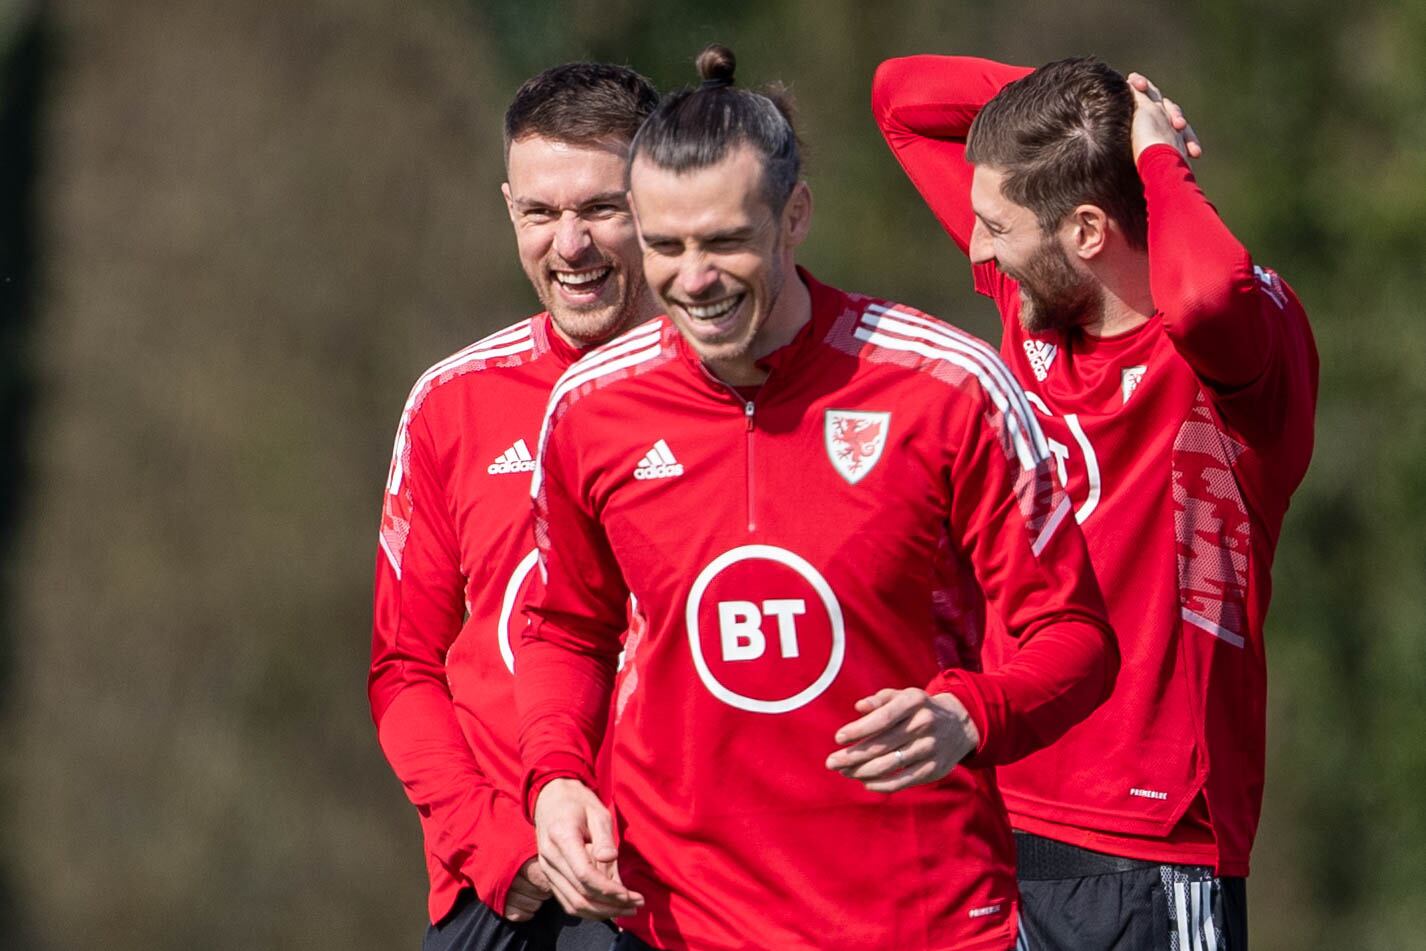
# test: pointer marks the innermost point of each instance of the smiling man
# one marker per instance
(835, 473)
(456, 547)
(1176, 381)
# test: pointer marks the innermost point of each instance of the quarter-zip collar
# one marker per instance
(547, 339)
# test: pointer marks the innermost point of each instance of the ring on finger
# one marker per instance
(900, 757)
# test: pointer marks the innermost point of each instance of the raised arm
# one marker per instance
(1233, 322)
(924, 106)
(475, 829)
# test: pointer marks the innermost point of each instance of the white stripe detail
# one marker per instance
(927, 329)
(1180, 900)
(1052, 523)
(610, 358)
(665, 454)
(1210, 931)
(1196, 916)
(1023, 452)
(522, 451)
(391, 558)
(1222, 633)
(648, 460)
(499, 344)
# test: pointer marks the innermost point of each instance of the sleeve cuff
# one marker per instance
(958, 683)
(551, 767)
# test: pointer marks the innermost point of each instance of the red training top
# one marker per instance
(793, 553)
(1180, 442)
(456, 559)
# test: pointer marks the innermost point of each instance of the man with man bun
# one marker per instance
(456, 549)
(795, 483)
(1175, 381)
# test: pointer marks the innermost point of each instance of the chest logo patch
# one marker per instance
(1129, 379)
(765, 629)
(855, 441)
(1041, 355)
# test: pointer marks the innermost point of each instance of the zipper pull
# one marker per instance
(748, 410)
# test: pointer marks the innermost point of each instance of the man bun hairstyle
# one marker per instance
(698, 126)
(580, 103)
(1061, 137)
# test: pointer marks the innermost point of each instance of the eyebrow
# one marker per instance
(615, 197)
(732, 234)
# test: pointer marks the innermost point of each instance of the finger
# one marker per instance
(521, 907)
(885, 743)
(886, 714)
(1137, 81)
(523, 888)
(906, 755)
(571, 860)
(602, 847)
(574, 901)
(923, 772)
(1191, 143)
(535, 875)
(868, 704)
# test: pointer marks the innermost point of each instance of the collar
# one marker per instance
(548, 339)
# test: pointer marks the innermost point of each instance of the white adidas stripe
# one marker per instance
(1029, 459)
(522, 451)
(665, 454)
(1217, 630)
(923, 328)
(502, 343)
(630, 350)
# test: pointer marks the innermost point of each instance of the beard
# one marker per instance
(623, 302)
(1053, 295)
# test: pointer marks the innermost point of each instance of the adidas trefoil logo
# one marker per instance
(658, 463)
(515, 459)
(1041, 355)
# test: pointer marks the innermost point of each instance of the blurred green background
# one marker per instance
(234, 232)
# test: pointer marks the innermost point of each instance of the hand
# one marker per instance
(529, 890)
(1159, 121)
(906, 738)
(577, 852)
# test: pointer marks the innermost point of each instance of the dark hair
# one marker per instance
(698, 126)
(1061, 136)
(580, 103)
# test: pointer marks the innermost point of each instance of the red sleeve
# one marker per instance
(1014, 520)
(475, 829)
(924, 106)
(1230, 320)
(570, 650)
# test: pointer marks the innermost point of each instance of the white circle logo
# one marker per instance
(771, 648)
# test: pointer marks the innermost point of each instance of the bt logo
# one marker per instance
(765, 629)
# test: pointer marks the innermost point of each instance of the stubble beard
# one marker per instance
(588, 326)
(1054, 296)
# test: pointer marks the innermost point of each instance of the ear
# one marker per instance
(1086, 231)
(509, 202)
(797, 215)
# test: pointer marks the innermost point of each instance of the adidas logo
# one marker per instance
(515, 459)
(1041, 355)
(658, 463)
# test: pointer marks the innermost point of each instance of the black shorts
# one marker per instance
(473, 926)
(1072, 899)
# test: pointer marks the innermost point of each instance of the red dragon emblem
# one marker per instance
(855, 441)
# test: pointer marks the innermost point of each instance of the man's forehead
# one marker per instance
(542, 166)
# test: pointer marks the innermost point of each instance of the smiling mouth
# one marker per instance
(713, 311)
(586, 281)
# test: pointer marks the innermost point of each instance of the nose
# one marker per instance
(696, 275)
(571, 237)
(980, 250)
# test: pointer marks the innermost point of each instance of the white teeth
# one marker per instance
(580, 278)
(712, 311)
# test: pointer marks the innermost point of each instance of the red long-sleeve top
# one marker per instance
(456, 559)
(1180, 442)
(793, 552)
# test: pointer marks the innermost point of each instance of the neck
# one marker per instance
(1127, 302)
(790, 313)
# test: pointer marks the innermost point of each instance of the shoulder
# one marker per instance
(614, 364)
(887, 333)
(945, 363)
(512, 346)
